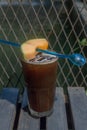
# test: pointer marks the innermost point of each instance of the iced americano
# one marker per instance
(40, 77)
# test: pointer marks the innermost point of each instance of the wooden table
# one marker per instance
(70, 115)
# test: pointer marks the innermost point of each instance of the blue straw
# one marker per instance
(9, 43)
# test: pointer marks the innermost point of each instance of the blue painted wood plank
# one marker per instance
(8, 100)
(10, 94)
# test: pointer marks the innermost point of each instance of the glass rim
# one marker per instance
(40, 63)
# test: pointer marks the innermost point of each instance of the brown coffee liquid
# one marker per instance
(40, 78)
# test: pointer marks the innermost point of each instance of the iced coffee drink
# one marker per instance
(40, 77)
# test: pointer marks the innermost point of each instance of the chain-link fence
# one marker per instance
(62, 22)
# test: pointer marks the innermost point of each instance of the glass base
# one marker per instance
(40, 114)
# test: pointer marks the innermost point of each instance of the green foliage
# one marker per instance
(83, 42)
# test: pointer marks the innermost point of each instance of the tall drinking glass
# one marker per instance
(40, 78)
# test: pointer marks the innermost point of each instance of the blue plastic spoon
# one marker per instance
(76, 59)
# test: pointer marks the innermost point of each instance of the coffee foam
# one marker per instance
(43, 58)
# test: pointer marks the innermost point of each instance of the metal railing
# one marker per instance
(63, 23)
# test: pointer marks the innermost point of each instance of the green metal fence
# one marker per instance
(62, 22)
